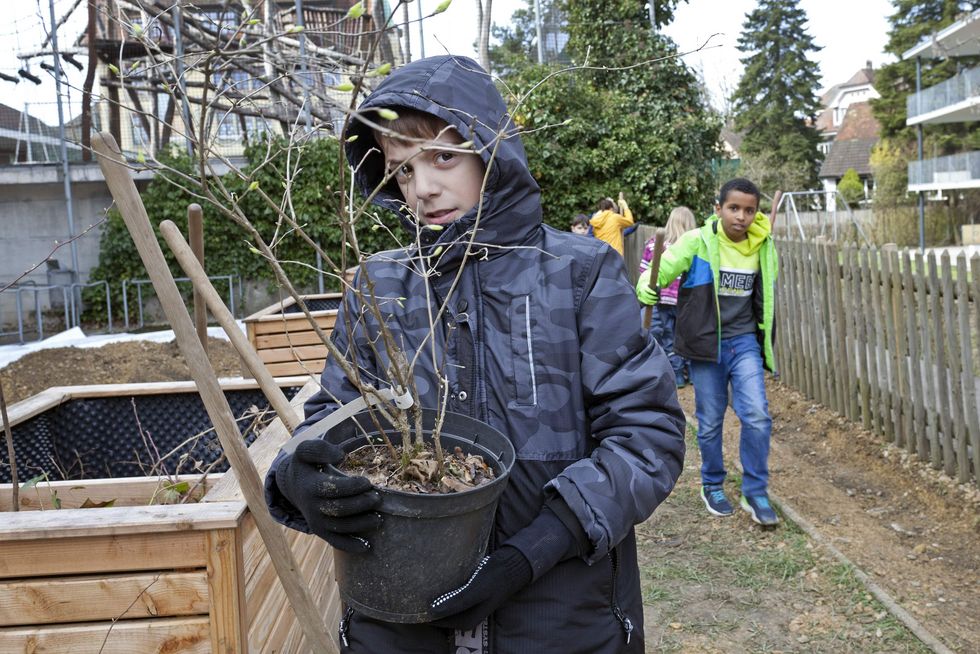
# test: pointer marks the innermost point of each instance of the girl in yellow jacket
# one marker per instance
(608, 223)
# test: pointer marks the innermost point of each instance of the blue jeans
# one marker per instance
(740, 365)
(662, 326)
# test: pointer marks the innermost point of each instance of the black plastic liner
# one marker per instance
(131, 436)
(315, 304)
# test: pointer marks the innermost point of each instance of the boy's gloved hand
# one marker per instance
(336, 507)
(644, 293)
(495, 579)
(525, 556)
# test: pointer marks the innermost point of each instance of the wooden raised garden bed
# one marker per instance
(284, 338)
(138, 578)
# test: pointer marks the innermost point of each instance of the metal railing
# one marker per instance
(956, 89)
(140, 283)
(952, 171)
(70, 306)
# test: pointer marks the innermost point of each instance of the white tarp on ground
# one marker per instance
(75, 337)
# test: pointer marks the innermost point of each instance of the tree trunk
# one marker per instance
(483, 15)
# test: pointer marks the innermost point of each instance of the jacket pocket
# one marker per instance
(522, 347)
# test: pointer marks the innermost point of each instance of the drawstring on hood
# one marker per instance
(458, 91)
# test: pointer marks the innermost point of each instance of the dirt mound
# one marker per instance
(116, 363)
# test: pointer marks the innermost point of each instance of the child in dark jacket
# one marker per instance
(724, 325)
(542, 347)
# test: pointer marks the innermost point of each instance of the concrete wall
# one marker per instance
(33, 219)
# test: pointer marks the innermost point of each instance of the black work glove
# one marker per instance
(337, 508)
(495, 579)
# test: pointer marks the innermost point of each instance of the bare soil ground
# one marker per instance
(725, 584)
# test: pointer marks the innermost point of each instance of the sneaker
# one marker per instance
(760, 509)
(716, 501)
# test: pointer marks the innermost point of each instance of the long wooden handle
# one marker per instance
(202, 286)
(131, 207)
(659, 237)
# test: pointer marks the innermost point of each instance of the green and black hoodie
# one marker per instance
(696, 256)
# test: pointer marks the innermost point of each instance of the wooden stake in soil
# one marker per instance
(127, 198)
(14, 486)
(658, 250)
(195, 233)
(203, 287)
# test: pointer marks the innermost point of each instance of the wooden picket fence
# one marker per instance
(888, 339)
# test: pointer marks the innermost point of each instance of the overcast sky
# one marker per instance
(847, 44)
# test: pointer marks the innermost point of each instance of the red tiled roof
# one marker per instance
(858, 123)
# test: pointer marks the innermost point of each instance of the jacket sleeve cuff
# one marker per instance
(548, 540)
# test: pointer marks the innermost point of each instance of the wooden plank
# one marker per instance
(942, 450)
(836, 329)
(903, 415)
(312, 367)
(267, 341)
(862, 310)
(122, 521)
(975, 293)
(818, 327)
(26, 409)
(955, 441)
(226, 592)
(787, 308)
(847, 332)
(913, 311)
(851, 305)
(876, 343)
(297, 323)
(925, 291)
(95, 554)
(300, 353)
(128, 491)
(891, 359)
(971, 432)
(93, 598)
(806, 277)
(170, 635)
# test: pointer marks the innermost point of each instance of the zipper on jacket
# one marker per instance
(345, 626)
(624, 619)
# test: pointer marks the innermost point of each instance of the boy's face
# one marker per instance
(439, 185)
(579, 228)
(737, 211)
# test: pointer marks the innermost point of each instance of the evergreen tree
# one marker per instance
(775, 104)
(913, 21)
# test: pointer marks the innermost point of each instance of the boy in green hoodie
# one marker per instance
(724, 326)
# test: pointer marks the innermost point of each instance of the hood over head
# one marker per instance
(460, 92)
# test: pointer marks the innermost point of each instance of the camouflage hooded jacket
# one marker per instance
(542, 340)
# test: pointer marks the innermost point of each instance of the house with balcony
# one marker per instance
(849, 132)
(956, 100)
(227, 77)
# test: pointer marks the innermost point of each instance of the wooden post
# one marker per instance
(658, 250)
(189, 262)
(124, 192)
(195, 234)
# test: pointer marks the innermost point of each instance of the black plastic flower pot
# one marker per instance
(427, 544)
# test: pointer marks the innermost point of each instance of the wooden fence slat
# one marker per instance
(815, 325)
(794, 340)
(915, 420)
(850, 262)
(893, 318)
(971, 432)
(837, 331)
(930, 430)
(904, 416)
(863, 309)
(942, 452)
(975, 292)
(190, 634)
(955, 440)
(875, 343)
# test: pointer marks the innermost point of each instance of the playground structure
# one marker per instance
(835, 223)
